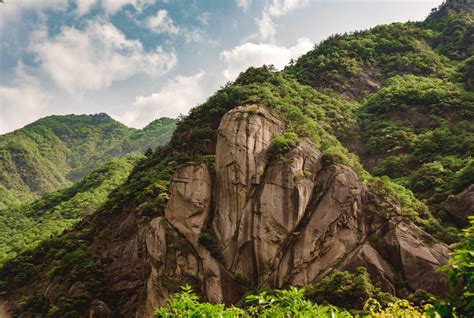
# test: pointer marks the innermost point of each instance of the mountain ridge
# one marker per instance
(55, 151)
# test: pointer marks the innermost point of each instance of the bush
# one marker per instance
(186, 304)
(461, 276)
(347, 290)
(397, 309)
(283, 304)
(282, 144)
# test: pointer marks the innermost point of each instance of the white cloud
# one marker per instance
(91, 59)
(266, 28)
(84, 6)
(162, 23)
(278, 8)
(274, 9)
(25, 101)
(110, 6)
(12, 11)
(193, 35)
(249, 54)
(176, 97)
(244, 4)
(203, 18)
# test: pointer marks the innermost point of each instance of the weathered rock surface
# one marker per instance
(256, 223)
(380, 269)
(461, 206)
(189, 203)
(244, 135)
(333, 226)
(289, 221)
(281, 203)
(417, 255)
(4, 309)
(99, 309)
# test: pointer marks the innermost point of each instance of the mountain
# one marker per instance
(56, 151)
(25, 227)
(413, 82)
(286, 179)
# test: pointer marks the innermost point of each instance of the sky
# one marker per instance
(138, 60)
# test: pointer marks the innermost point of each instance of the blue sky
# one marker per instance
(138, 60)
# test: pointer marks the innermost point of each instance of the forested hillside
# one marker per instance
(348, 174)
(412, 84)
(24, 227)
(56, 151)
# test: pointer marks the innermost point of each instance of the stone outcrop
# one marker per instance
(418, 256)
(252, 222)
(99, 309)
(288, 221)
(189, 203)
(461, 205)
(243, 137)
(4, 309)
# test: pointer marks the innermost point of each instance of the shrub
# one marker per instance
(282, 144)
(397, 309)
(347, 290)
(186, 304)
(461, 276)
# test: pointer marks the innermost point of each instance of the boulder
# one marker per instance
(461, 205)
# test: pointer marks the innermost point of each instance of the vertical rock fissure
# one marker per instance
(309, 211)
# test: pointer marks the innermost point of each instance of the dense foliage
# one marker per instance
(65, 258)
(56, 151)
(347, 290)
(461, 276)
(280, 304)
(24, 227)
(420, 131)
(415, 113)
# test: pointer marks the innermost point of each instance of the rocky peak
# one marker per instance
(274, 223)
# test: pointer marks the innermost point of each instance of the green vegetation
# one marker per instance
(421, 130)
(56, 151)
(461, 276)
(281, 144)
(24, 227)
(347, 290)
(358, 63)
(282, 303)
(67, 259)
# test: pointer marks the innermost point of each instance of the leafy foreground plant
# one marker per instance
(461, 276)
(281, 303)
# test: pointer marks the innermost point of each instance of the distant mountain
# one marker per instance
(56, 151)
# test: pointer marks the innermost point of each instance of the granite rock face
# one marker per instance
(288, 221)
(461, 205)
(250, 222)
